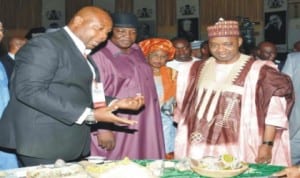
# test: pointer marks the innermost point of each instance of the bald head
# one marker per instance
(297, 46)
(16, 43)
(267, 51)
(91, 25)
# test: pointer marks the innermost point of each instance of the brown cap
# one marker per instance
(223, 28)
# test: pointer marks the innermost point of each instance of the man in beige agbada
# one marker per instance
(233, 104)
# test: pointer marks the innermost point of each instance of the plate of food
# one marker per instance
(125, 168)
(223, 166)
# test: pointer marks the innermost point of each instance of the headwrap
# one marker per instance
(223, 28)
(153, 44)
(125, 20)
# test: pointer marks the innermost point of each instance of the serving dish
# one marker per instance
(198, 167)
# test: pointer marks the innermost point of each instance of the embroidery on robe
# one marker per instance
(226, 120)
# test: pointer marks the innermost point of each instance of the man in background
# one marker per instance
(268, 51)
(297, 46)
(200, 49)
(195, 45)
(8, 60)
(292, 68)
(204, 49)
(183, 53)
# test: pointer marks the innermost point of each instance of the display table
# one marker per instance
(255, 170)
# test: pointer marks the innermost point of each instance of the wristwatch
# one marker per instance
(269, 143)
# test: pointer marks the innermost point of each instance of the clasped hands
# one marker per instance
(105, 114)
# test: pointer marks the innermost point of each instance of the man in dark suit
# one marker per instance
(8, 60)
(53, 93)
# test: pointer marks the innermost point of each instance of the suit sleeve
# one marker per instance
(36, 66)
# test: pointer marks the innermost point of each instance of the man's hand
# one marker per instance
(105, 114)
(290, 172)
(131, 103)
(264, 154)
(106, 139)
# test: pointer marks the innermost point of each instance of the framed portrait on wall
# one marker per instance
(187, 9)
(146, 14)
(275, 16)
(275, 27)
(145, 10)
(146, 30)
(188, 28)
(275, 5)
(53, 13)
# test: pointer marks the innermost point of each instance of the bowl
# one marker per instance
(198, 168)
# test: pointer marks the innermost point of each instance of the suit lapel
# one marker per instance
(89, 58)
(73, 46)
(78, 53)
(80, 57)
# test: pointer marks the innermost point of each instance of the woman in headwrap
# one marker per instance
(157, 52)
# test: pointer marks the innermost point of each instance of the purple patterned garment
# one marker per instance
(125, 75)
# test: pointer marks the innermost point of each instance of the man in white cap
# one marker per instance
(233, 104)
(200, 49)
(195, 45)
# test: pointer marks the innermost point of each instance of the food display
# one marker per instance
(225, 166)
(118, 169)
(59, 170)
(221, 166)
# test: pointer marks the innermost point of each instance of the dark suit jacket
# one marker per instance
(8, 64)
(51, 87)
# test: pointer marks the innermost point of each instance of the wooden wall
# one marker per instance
(20, 15)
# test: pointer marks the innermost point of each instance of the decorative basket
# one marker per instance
(217, 173)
